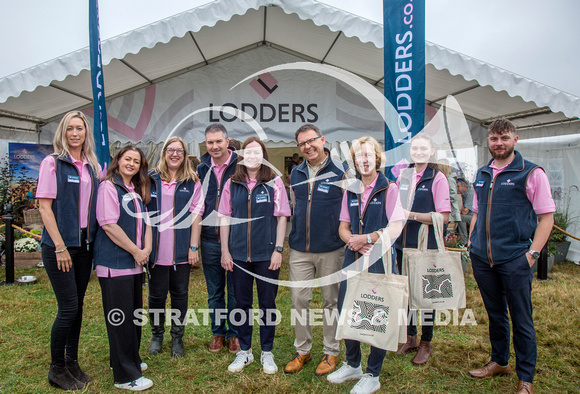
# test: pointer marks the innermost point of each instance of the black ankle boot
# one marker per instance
(61, 377)
(177, 349)
(76, 371)
(157, 332)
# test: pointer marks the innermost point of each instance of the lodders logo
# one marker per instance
(265, 85)
(23, 155)
(508, 183)
(372, 297)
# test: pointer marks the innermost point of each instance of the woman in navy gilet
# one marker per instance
(423, 189)
(122, 248)
(174, 208)
(369, 206)
(256, 202)
(67, 190)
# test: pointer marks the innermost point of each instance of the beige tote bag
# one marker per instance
(435, 275)
(374, 304)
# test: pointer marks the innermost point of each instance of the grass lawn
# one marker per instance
(27, 313)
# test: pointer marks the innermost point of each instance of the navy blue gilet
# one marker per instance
(374, 217)
(66, 204)
(254, 240)
(212, 193)
(108, 253)
(181, 203)
(506, 220)
(422, 202)
(316, 215)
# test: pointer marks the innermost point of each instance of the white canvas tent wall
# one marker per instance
(306, 29)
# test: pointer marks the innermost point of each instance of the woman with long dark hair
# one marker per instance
(423, 189)
(256, 201)
(122, 247)
(67, 189)
(175, 210)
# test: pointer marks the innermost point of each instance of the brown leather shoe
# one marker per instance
(490, 369)
(409, 346)
(217, 342)
(297, 362)
(525, 388)
(234, 345)
(327, 365)
(423, 353)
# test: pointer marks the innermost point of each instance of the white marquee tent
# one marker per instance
(157, 75)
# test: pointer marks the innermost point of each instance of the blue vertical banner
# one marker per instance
(100, 127)
(404, 55)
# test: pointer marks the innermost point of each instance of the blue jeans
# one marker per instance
(69, 289)
(216, 280)
(504, 286)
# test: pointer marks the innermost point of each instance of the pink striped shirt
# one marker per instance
(538, 190)
(393, 207)
(46, 187)
(108, 212)
(166, 233)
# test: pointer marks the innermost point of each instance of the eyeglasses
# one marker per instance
(309, 142)
(171, 151)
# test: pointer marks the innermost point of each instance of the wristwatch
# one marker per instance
(535, 255)
(193, 248)
(369, 239)
(279, 249)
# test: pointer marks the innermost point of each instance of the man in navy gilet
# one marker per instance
(513, 214)
(316, 249)
(216, 167)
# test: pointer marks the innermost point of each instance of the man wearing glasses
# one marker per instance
(316, 249)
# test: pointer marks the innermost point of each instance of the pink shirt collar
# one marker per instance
(214, 165)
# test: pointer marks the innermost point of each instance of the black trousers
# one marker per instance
(69, 289)
(172, 279)
(121, 297)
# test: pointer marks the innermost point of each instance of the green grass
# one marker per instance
(27, 313)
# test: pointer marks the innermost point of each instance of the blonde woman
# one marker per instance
(67, 190)
(176, 207)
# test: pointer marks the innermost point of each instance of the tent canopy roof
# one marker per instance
(308, 29)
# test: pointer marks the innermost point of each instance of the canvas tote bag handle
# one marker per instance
(386, 253)
(437, 220)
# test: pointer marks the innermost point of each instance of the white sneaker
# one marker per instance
(268, 364)
(243, 358)
(367, 384)
(137, 385)
(346, 372)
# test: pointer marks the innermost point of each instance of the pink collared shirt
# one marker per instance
(166, 231)
(393, 207)
(108, 212)
(219, 170)
(440, 190)
(538, 190)
(281, 206)
(46, 187)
